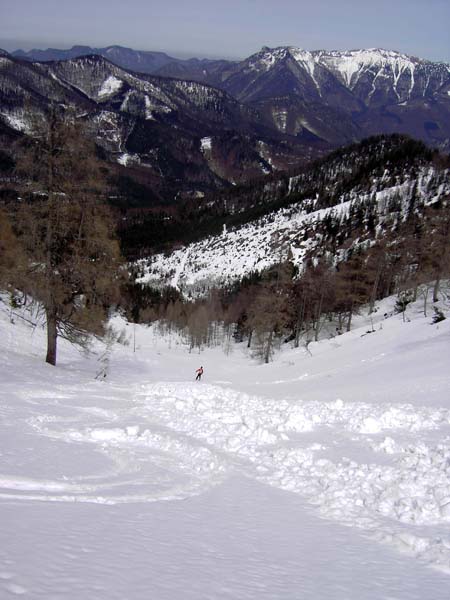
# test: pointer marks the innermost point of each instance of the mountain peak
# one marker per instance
(351, 64)
(82, 49)
(267, 57)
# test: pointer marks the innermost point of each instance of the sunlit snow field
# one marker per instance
(321, 475)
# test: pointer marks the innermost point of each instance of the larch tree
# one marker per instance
(66, 230)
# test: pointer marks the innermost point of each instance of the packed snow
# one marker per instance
(271, 463)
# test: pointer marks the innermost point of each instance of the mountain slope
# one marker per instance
(274, 111)
(336, 96)
(345, 202)
(151, 124)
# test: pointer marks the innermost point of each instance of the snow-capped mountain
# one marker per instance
(346, 95)
(393, 77)
(399, 76)
(274, 111)
(336, 96)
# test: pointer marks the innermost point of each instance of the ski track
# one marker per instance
(174, 440)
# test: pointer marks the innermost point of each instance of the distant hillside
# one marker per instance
(355, 196)
(173, 138)
(172, 142)
(141, 61)
(336, 96)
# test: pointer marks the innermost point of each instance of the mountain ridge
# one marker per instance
(275, 110)
(182, 136)
(349, 201)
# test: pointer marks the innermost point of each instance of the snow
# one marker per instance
(387, 63)
(264, 152)
(308, 61)
(16, 121)
(109, 127)
(206, 144)
(126, 159)
(266, 59)
(322, 475)
(257, 245)
(110, 86)
(149, 107)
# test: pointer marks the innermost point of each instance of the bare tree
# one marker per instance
(268, 315)
(66, 230)
(352, 286)
(12, 260)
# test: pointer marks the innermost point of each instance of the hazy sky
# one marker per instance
(229, 28)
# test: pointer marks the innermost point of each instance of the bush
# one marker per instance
(402, 302)
(438, 315)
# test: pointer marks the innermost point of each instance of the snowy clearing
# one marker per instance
(316, 476)
(109, 87)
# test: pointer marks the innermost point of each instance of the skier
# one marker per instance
(199, 374)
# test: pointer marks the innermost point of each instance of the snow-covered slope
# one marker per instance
(356, 432)
(223, 259)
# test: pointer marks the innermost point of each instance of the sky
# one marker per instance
(229, 28)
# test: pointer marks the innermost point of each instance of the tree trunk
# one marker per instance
(319, 313)
(350, 314)
(436, 288)
(250, 335)
(299, 325)
(52, 335)
(373, 294)
(425, 300)
(269, 348)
